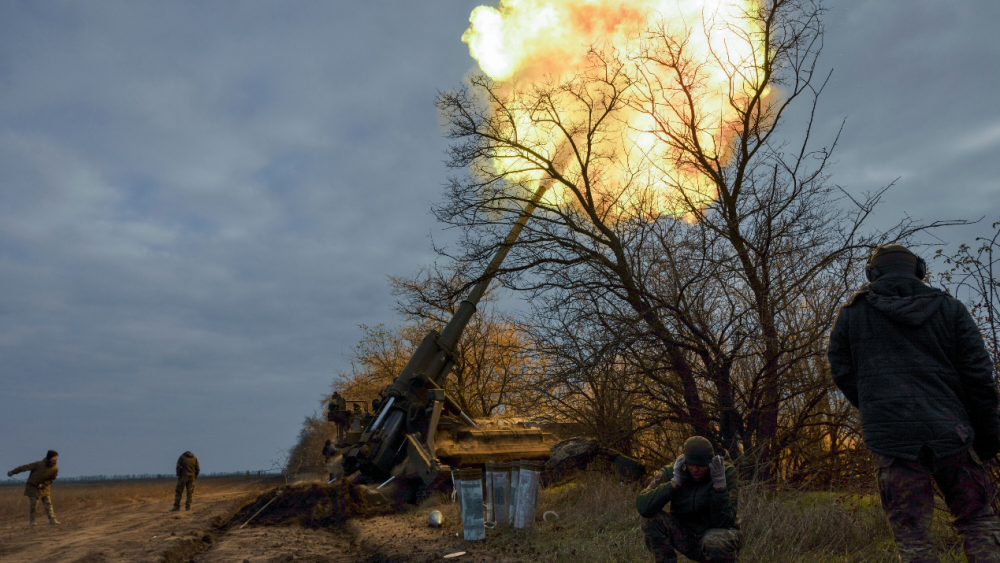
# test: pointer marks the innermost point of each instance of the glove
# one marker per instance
(10, 473)
(718, 472)
(678, 475)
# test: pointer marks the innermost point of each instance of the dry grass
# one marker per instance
(800, 526)
(598, 522)
(71, 496)
(793, 526)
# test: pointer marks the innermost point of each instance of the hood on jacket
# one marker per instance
(905, 299)
(188, 454)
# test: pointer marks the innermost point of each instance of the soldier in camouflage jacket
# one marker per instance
(43, 473)
(187, 473)
(702, 522)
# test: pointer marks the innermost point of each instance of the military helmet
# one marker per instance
(698, 451)
(894, 259)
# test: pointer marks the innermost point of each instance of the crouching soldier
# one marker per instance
(187, 472)
(43, 473)
(702, 522)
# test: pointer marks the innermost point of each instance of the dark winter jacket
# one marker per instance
(187, 466)
(912, 360)
(697, 506)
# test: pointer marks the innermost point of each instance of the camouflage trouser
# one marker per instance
(664, 535)
(907, 492)
(184, 483)
(46, 502)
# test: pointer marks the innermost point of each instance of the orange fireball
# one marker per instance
(526, 43)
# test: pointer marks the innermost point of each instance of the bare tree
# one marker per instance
(716, 255)
(493, 364)
(971, 276)
(305, 457)
(376, 360)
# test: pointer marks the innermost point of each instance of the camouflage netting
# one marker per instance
(314, 506)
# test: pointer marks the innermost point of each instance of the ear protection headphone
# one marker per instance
(921, 268)
(873, 273)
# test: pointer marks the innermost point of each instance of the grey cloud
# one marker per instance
(201, 200)
(199, 206)
(916, 82)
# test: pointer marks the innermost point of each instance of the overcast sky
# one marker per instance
(200, 201)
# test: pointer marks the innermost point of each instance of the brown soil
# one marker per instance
(140, 530)
(306, 523)
(312, 506)
(400, 538)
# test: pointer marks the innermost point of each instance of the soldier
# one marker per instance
(912, 360)
(702, 522)
(337, 402)
(187, 472)
(43, 473)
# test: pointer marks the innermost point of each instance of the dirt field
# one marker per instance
(596, 523)
(118, 521)
(129, 521)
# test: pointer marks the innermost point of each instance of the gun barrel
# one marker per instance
(433, 360)
(453, 331)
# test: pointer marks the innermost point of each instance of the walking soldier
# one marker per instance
(187, 473)
(43, 473)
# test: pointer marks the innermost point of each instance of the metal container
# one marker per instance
(527, 494)
(470, 486)
(488, 493)
(515, 469)
(501, 492)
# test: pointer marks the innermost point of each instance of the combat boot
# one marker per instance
(53, 521)
(31, 520)
(175, 509)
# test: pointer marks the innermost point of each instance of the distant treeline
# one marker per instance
(152, 476)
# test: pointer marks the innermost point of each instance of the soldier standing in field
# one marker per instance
(702, 522)
(912, 360)
(187, 473)
(43, 473)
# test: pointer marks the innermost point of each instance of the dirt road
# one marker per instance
(137, 531)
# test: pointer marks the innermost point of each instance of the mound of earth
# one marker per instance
(578, 454)
(314, 506)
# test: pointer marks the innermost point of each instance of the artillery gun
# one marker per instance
(416, 421)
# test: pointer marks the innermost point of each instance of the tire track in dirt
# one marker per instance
(135, 532)
(144, 531)
(345, 523)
